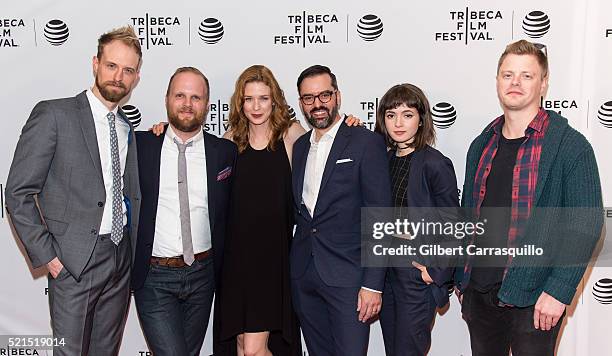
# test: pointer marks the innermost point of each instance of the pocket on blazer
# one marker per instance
(56, 227)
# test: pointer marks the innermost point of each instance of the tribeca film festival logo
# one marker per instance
(470, 25)
(211, 30)
(536, 24)
(602, 291)
(56, 32)
(8, 27)
(307, 29)
(155, 31)
(370, 27)
(218, 118)
(561, 106)
(132, 114)
(444, 115)
(368, 108)
(604, 114)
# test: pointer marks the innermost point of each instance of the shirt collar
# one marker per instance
(329, 135)
(98, 109)
(170, 134)
(537, 124)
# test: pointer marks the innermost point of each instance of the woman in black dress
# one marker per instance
(255, 296)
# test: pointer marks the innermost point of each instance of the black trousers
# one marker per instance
(495, 330)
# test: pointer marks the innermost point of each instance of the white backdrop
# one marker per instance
(448, 48)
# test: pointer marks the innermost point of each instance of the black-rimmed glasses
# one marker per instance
(324, 97)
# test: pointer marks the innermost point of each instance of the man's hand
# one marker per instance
(353, 120)
(55, 267)
(368, 304)
(424, 274)
(158, 128)
(547, 312)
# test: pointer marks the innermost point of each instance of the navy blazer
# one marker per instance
(220, 154)
(332, 237)
(432, 183)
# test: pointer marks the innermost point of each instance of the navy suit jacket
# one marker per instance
(432, 183)
(332, 237)
(220, 154)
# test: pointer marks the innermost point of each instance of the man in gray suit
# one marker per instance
(73, 197)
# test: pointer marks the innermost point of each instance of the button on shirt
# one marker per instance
(167, 240)
(99, 112)
(315, 165)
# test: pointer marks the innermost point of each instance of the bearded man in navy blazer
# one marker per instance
(337, 170)
(183, 220)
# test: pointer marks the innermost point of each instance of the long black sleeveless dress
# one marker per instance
(255, 288)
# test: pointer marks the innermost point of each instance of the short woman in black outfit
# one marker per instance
(421, 177)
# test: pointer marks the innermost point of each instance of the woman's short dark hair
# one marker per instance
(413, 97)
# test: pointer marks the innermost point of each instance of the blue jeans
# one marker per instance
(174, 306)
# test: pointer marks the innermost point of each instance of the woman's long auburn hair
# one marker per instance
(279, 121)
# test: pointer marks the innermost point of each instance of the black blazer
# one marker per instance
(432, 183)
(220, 155)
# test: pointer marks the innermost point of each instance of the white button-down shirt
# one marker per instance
(99, 112)
(168, 239)
(315, 165)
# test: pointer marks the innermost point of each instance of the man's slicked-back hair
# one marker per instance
(315, 70)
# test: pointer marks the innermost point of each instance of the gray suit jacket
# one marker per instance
(57, 160)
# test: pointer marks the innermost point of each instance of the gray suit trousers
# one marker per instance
(90, 314)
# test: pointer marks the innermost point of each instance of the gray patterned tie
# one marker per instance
(183, 190)
(117, 228)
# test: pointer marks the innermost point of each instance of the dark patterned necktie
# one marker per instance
(117, 228)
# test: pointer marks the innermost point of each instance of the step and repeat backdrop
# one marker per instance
(448, 48)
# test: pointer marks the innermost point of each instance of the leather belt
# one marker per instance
(178, 260)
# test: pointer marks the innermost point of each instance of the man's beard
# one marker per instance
(190, 125)
(109, 95)
(322, 123)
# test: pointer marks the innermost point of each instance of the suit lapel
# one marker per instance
(89, 132)
(155, 166)
(300, 155)
(212, 159)
(414, 178)
(340, 142)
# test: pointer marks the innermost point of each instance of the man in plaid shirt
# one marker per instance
(526, 162)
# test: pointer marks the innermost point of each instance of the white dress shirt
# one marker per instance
(168, 241)
(99, 112)
(315, 165)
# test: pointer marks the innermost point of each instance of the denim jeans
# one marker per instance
(174, 307)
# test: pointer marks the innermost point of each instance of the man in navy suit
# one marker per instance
(182, 220)
(337, 170)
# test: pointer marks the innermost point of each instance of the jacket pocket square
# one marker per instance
(344, 160)
(226, 172)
